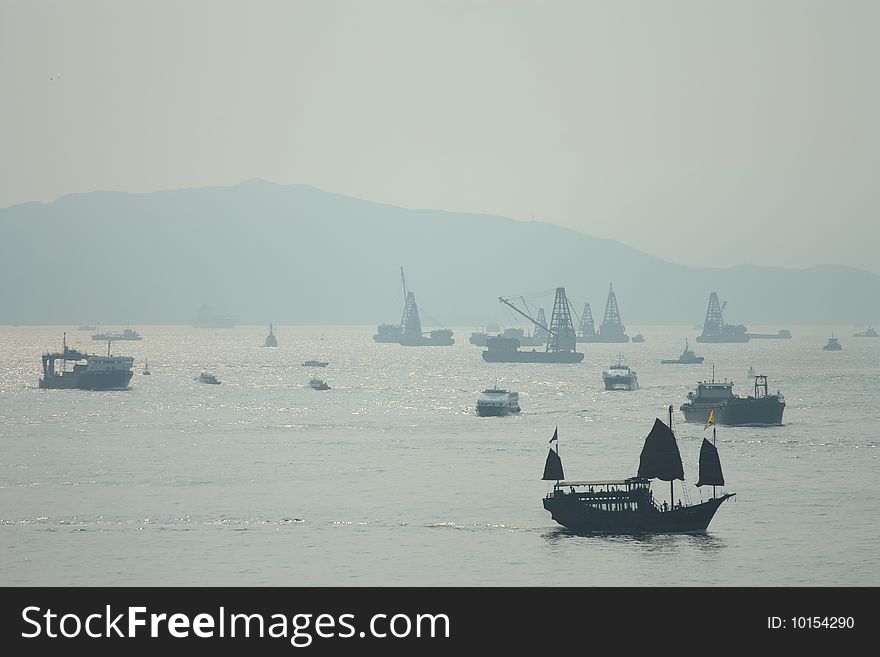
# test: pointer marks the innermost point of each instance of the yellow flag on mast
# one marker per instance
(710, 421)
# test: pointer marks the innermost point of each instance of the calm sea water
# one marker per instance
(389, 478)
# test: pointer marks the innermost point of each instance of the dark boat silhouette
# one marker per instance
(627, 506)
(759, 409)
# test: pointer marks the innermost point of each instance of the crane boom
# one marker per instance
(403, 280)
(528, 317)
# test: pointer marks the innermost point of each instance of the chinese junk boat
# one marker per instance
(627, 506)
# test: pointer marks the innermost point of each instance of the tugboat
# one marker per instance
(867, 333)
(271, 340)
(833, 344)
(714, 328)
(127, 334)
(497, 402)
(627, 506)
(687, 357)
(316, 363)
(318, 384)
(89, 372)
(762, 409)
(207, 377)
(561, 345)
(620, 377)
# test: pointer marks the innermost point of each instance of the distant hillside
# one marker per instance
(296, 255)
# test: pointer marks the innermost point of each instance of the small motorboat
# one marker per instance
(833, 344)
(146, 368)
(318, 384)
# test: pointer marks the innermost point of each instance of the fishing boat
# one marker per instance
(638, 337)
(318, 384)
(867, 333)
(315, 363)
(619, 376)
(687, 357)
(497, 402)
(628, 506)
(833, 344)
(271, 340)
(717, 398)
(560, 346)
(207, 377)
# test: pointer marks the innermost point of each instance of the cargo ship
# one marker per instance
(127, 334)
(760, 409)
(73, 369)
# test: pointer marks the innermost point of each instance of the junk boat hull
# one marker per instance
(572, 511)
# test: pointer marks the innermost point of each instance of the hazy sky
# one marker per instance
(699, 131)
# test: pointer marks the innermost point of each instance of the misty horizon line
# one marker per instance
(266, 181)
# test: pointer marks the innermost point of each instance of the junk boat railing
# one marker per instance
(631, 494)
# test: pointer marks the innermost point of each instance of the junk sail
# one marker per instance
(660, 456)
(553, 467)
(710, 466)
